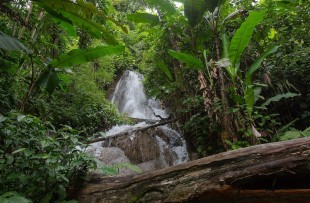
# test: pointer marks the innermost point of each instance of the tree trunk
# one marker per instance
(274, 172)
(228, 132)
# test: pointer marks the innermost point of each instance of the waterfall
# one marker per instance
(129, 98)
(156, 148)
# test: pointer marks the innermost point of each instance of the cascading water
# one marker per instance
(129, 98)
(154, 149)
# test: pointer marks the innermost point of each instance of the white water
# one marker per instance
(130, 99)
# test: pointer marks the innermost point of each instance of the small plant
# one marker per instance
(114, 169)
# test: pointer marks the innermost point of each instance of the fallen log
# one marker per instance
(264, 171)
(132, 131)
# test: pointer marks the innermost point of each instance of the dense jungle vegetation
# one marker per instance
(234, 73)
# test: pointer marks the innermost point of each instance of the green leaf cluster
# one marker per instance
(78, 13)
(37, 160)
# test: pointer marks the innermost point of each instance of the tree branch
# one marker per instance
(130, 131)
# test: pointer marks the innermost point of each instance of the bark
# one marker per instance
(131, 131)
(271, 170)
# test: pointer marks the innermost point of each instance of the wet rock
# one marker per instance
(142, 148)
(169, 135)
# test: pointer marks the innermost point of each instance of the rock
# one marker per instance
(109, 156)
(142, 148)
(151, 149)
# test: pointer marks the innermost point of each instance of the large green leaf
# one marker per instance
(279, 97)
(225, 42)
(59, 19)
(258, 62)
(93, 28)
(81, 14)
(242, 37)
(165, 69)
(84, 9)
(143, 18)
(195, 9)
(190, 60)
(225, 54)
(49, 80)
(79, 56)
(10, 43)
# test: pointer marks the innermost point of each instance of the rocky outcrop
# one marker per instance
(151, 149)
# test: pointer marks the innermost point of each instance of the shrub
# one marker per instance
(38, 161)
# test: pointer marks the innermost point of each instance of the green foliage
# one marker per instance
(294, 134)
(249, 94)
(61, 20)
(78, 56)
(10, 43)
(164, 6)
(241, 39)
(143, 18)
(191, 61)
(114, 169)
(238, 144)
(279, 97)
(80, 101)
(195, 9)
(37, 160)
(225, 52)
(162, 66)
(255, 66)
(79, 13)
(13, 197)
(49, 80)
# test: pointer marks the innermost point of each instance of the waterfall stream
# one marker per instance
(153, 149)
